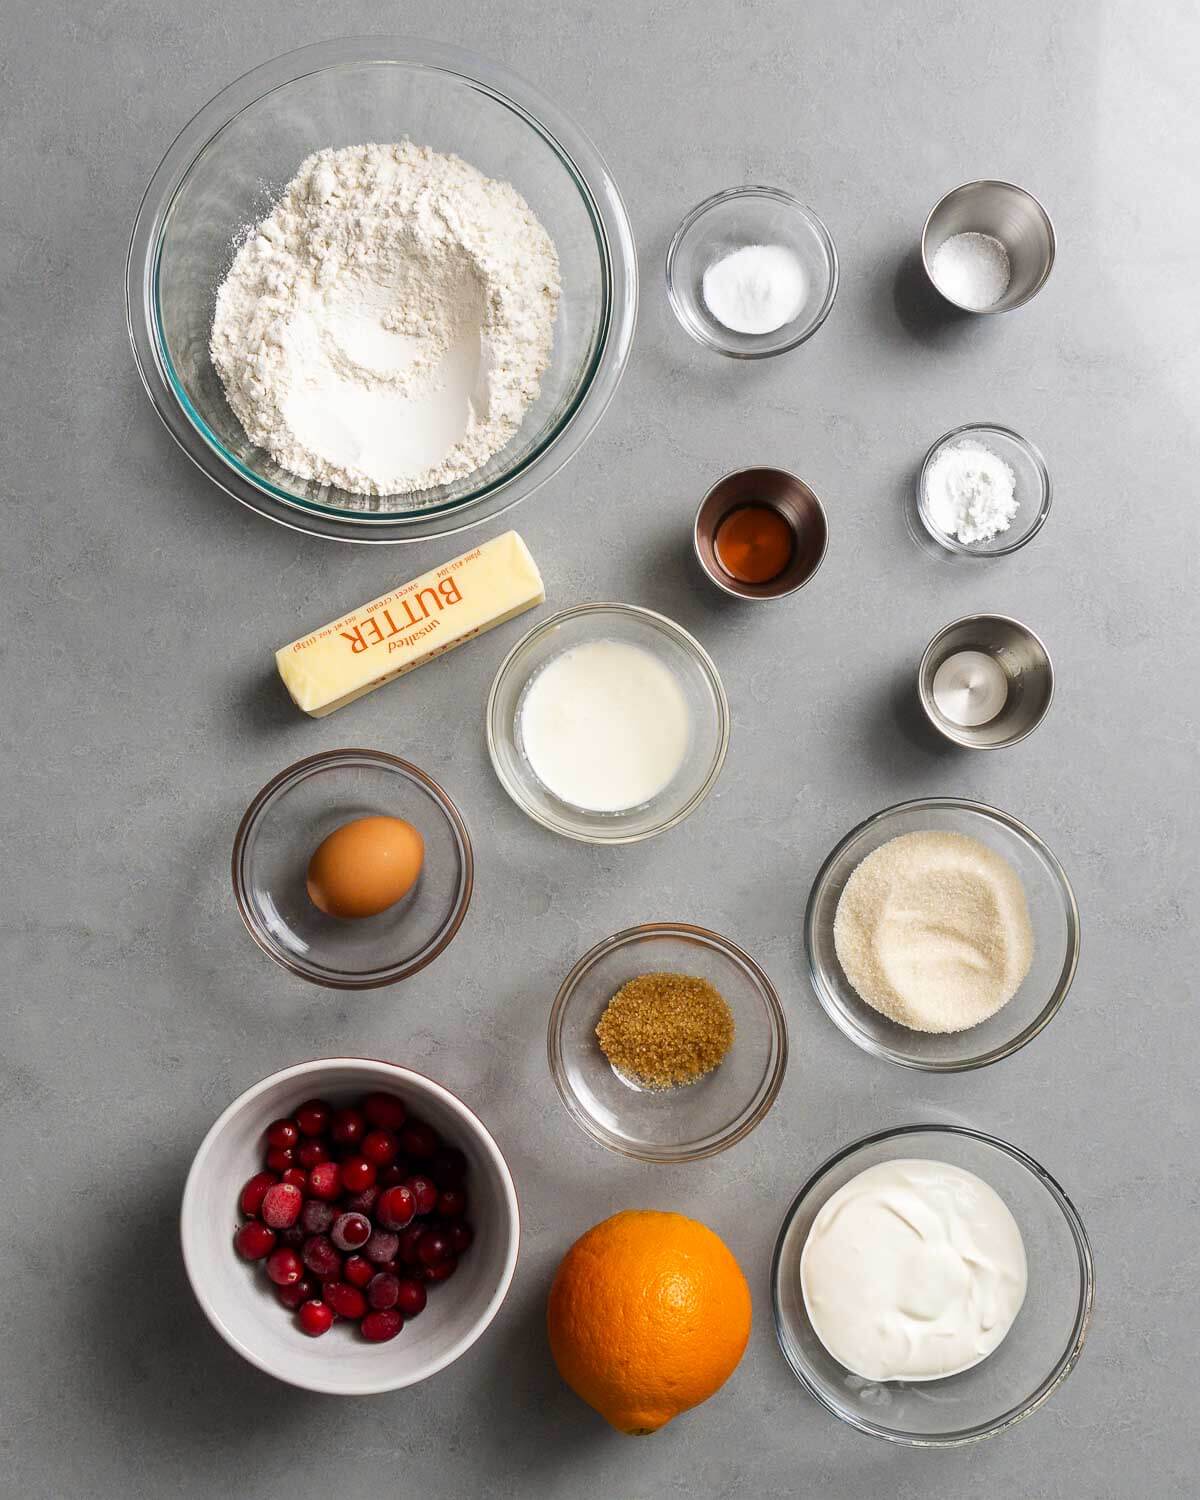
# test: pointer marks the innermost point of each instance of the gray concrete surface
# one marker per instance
(140, 608)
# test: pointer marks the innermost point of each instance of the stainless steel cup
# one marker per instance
(1009, 214)
(1026, 664)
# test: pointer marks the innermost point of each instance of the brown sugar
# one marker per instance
(664, 1030)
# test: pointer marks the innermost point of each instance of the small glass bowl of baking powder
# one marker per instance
(1031, 489)
(773, 258)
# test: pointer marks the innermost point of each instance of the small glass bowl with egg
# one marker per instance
(1034, 1357)
(607, 723)
(352, 869)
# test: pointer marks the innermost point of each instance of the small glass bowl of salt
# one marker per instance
(751, 272)
(983, 491)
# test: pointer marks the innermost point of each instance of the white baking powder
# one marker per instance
(386, 327)
(970, 492)
(756, 289)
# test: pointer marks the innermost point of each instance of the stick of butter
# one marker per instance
(404, 629)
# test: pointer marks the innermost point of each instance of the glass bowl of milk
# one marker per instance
(608, 723)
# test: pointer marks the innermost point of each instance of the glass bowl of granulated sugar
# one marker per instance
(970, 910)
(380, 290)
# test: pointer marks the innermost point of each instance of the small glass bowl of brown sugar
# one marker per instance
(667, 1042)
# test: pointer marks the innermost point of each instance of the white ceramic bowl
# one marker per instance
(237, 1298)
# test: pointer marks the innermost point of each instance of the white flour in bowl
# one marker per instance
(386, 327)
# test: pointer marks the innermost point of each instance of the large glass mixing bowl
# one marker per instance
(230, 164)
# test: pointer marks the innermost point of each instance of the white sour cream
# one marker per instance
(605, 726)
(913, 1270)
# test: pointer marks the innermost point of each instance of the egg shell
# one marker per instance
(365, 866)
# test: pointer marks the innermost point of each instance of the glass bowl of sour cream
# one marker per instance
(608, 723)
(1028, 1362)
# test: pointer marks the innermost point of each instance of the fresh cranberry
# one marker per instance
(410, 1297)
(284, 1267)
(380, 1147)
(392, 1267)
(461, 1238)
(316, 1216)
(254, 1240)
(315, 1318)
(357, 1173)
(312, 1118)
(378, 1327)
(347, 1127)
(418, 1139)
(280, 1158)
(346, 1300)
(281, 1205)
(254, 1192)
(299, 1291)
(442, 1271)
(434, 1248)
(452, 1203)
(410, 1242)
(309, 1153)
(325, 1181)
(424, 1192)
(296, 1177)
(282, 1133)
(383, 1291)
(362, 1203)
(394, 1175)
(321, 1258)
(382, 1246)
(395, 1208)
(385, 1111)
(358, 1270)
(448, 1166)
(294, 1235)
(350, 1231)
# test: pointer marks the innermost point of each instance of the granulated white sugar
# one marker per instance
(972, 270)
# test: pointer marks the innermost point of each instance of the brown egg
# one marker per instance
(365, 866)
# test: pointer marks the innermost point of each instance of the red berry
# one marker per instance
(382, 1246)
(358, 1270)
(410, 1297)
(296, 1177)
(315, 1318)
(383, 1291)
(299, 1291)
(254, 1240)
(461, 1238)
(357, 1173)
(321, 1258)
(434, 1248)
(410, 1242)
(395, 1208)
(452, 1203)
(281, 1205)
(442, 1271)
(284, 1267)
(378, 1327)
(282, 1133)
(418, 1139)
(254, 1192)
(280, 1158)
(347, 1126)
(312, 1118)
(424, 1192)
(385, 1111)
(394, 1175)
(316, 1216)
(346, 1300)
(309, 1153)
(380, 1147)
(325, 1181)
(362, 1203)
(293, 1235)
(448, 1166)
(350, 1231)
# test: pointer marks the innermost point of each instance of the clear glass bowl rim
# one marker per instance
(614, 238)
(1045, 1015)
(752, 190)
(287, 778)
(764, 1096)
(965, 549)
(668, 627)
(1083, 1313)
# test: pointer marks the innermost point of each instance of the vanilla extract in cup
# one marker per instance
(754, 543)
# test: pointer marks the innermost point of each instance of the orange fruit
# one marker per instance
(648, 1316)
